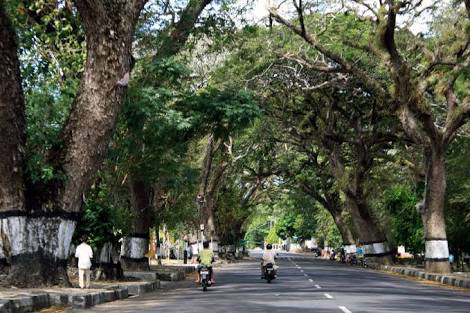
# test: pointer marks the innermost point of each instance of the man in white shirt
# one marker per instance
(268, 257)
(84, 255)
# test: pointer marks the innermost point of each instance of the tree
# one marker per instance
(412, 92)
(171, 40)
(38, 219)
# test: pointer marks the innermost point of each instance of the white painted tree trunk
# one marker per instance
(37, 249)
(133, 253)
(23, 235)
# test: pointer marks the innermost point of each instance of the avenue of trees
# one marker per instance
(346, 121)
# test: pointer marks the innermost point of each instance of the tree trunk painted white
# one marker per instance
(350, 248)
(432, 213)
(133, 253)
(24, 235)
(36, 231)
(376, 246)
(37, 249)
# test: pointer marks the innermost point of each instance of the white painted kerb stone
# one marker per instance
(28, 235)
(437, 249)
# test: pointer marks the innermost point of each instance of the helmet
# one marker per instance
(269, 246)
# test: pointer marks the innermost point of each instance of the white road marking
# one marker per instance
(305, 275)
(344, 309)
(302, 271)
(317, 286)
(310, 280)
(328, 296)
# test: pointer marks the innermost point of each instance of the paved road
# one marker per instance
(304, 285)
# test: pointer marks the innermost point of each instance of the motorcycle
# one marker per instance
(269, 272)
(205, 277)
(351, 259)
(333, 255)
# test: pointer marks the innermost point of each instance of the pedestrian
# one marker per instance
(84, 255)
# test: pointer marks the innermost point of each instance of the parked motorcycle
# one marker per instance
(205, 277)
(351, 259)
(333, 255)
(269, 272)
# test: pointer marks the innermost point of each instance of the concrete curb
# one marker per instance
(440, 278)
(35, 302)
(165, 272)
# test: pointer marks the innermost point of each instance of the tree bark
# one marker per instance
(38, 220)
(33, 246)
(432, 213)
(135, 246)
(375, 243)
(344, 230)
(210, 183)
(330, 200)
(175, 36)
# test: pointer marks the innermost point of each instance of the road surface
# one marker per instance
(305, 284)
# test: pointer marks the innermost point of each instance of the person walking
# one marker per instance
(84, 255)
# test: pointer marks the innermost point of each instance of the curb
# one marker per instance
(166, 272)
(440, 278)
(36, 302)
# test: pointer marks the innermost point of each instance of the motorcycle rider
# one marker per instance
(268, 257)
(206, 258)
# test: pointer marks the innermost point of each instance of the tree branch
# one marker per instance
(347, 66)
(175, 36)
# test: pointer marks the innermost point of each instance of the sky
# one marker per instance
(260, 11)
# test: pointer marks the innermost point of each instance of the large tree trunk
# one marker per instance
(432, 213)
(330, 200)
(33, 245)
(36, 235)
(12, 201)
(344, 230)
(210, 230)
(134, 246)
(208, 187)
(375, 243)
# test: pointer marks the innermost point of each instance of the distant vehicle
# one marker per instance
(316, 251)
